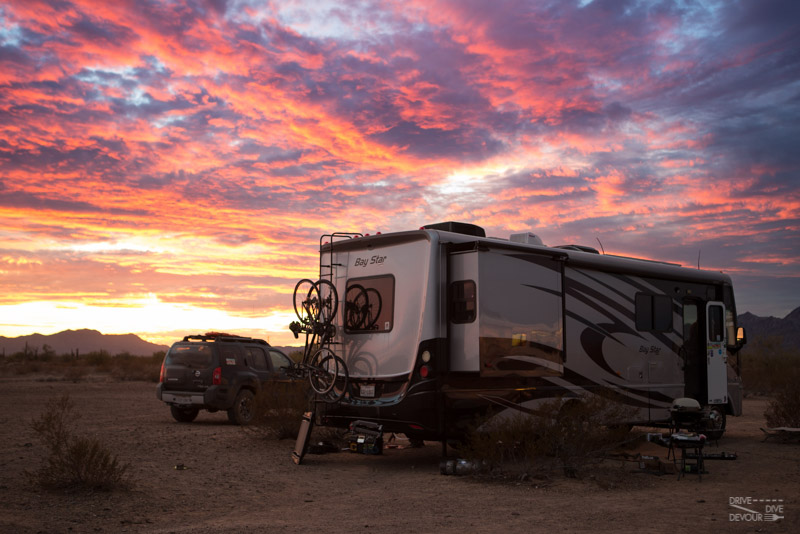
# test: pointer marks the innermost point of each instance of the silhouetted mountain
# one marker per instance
(82, 341)
(788, 328)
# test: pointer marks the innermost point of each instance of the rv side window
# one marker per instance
(653, 313)
(715, 324)
(463, 301)
(369, 304)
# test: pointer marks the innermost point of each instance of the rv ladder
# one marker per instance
(327, 270)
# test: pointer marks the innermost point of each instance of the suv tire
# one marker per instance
(241, 413)
(184, 415)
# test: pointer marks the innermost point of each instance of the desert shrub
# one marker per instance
(73, 462)
(784, 408)
(75, 367)
(768, 365)
(125, 367)
(98, 358)
(279, 408)
(75, 373)
(561, 435)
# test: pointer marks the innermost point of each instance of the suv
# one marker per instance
(217, 371)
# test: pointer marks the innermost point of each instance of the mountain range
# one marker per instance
(787, 330)
(81, 342)
(85, 341)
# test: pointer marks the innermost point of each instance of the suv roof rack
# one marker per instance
(223, 337)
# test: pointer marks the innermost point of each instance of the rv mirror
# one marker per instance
(741, 336)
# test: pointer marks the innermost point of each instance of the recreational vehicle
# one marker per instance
(436, 325)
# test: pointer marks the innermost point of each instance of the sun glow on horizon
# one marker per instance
(149, 318)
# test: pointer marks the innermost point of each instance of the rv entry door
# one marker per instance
(463, 327)
(716, 356)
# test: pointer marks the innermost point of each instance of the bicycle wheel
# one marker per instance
(355, 306)
(329, 300)
(340, 382)
(322, 371)
(373, 310)
(306, 301)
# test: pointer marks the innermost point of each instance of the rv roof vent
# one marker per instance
(526, 238)
(582, 248)
(457, 228)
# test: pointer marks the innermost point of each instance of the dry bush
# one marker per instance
(73, 462)
(75, 373)
(561, 435)
(124, 367)
(784, 409)
(75, 368)
(278, 409)
(768, 366)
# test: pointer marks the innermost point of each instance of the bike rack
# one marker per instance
(322, 334)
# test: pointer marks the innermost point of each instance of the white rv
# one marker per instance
(439, 324)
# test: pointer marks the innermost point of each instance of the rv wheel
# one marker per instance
(715, 424)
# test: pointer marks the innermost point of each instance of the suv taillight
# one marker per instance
(161, 374)
(216, 378)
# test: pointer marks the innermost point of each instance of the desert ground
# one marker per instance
(236, 482)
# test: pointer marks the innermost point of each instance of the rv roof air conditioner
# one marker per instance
(526, 238)
(457, 228)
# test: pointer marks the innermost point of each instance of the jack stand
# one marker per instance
(301, 445)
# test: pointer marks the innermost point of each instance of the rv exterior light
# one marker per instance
(426, 356)
(424, 371)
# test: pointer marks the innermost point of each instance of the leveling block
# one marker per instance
(301, 445)
(365, 437)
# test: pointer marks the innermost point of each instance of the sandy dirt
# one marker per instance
(234, 482)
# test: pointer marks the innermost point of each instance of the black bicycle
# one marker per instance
(362, 306)
(315, 304)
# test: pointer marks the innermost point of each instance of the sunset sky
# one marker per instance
(167, 168)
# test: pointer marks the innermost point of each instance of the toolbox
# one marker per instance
(365, 437)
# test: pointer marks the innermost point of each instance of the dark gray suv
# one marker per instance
(217, 371)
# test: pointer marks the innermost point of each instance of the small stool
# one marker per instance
(688, 442)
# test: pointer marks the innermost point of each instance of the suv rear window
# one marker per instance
(194, 356)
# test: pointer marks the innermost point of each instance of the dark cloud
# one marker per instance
(103, 33)
(461, 143)
(25, 200)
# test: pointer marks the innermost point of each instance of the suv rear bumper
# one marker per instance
(214, 398)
